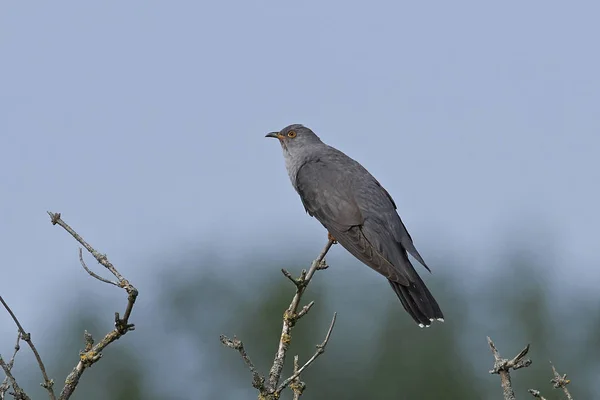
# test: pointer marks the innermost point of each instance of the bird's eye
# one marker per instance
(292, 134)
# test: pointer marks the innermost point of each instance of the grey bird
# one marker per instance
(358, 213)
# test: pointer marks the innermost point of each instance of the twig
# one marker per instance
(258, 381)
(269, 389)
(297, 385)
(536, 394)
(290, 317)
(6, 383)
(561, 382)
(93, 353)
(19, 393)
(92, 273)
(48, 383)
(305, 309)
(11, 363)
(502, 367)
(298, 371)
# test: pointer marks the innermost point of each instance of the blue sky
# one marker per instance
(144, 122)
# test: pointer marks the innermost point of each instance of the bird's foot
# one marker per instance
(331, 238)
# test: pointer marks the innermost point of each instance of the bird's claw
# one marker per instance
(331, 238)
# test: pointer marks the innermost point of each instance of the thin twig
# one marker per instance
(289, 276)
(11, 363)
(305, 309)
(536, 394)
(92, 273)
(19, 393)
(258, 381)
(6, 383)
(297, 385)
(561, 382)
(48, 383)
(320, 350)
(290, 317)
(502, 367)
(269, 389)
(93, 352)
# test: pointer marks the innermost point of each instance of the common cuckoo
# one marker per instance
(358, 213)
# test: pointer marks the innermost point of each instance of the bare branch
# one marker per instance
(269, 389)
(298, 371)
(11, 363)
(536, 394)
(290, 317)
(93, 352)
(305, 309)
(297, 385)
(7, 382)
(258, 381)
(561, 382)
(48, 383)
(502, 367)
(92, 273)
(323, 264)
(290, 277)
(19, 393)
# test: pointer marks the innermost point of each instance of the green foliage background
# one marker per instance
(376, 351)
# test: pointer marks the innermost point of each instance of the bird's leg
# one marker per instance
(330, 237)
(323, 264)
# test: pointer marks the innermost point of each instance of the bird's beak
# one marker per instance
(275, 135)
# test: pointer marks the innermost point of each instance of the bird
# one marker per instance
(358, 213)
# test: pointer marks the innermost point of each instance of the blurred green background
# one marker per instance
(376, 351)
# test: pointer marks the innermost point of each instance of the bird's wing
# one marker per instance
(327, 194)
(383, 229)
(357, 242)
(393, 220)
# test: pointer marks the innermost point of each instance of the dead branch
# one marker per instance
(6, 383)
(536, 394)
(18, 393)
(297, 371)
(10, 379)
(93, 352)
(297, 385)
(92, 273)
(48, 383)
(291, 316)
(561, 382)
(503, 366)
(270, 389)
(258, 381)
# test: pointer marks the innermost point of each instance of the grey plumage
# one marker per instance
(359, 213)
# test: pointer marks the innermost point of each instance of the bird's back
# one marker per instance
(351, 178)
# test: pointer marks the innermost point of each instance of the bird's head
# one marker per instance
(295, 137)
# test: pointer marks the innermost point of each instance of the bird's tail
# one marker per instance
(418, 301)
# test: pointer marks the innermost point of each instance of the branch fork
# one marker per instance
(503, 366)
(92, 352)
(269, 387)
